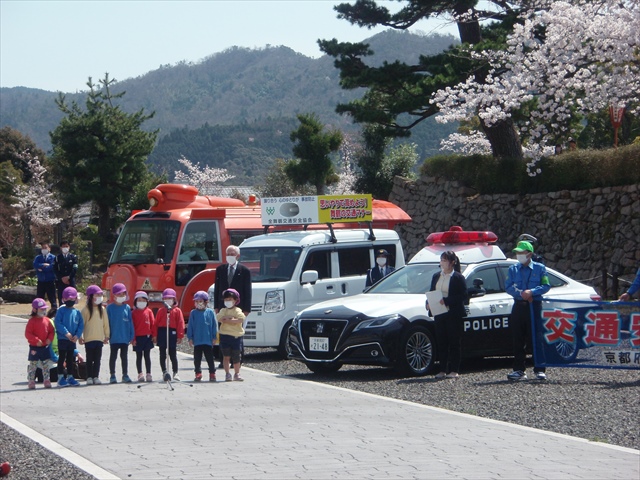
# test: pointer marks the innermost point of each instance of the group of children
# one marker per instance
(119, 326)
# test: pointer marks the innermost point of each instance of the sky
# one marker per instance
(57, 45)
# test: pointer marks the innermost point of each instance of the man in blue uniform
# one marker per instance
(527, 282)
(65, 268)
(43, 265)
(381, 270)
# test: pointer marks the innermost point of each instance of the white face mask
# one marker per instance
(121, 299)
(98, 300)
(168, 301)
(382, 261)
(231, 260)
(141, 305)
(522, 258)
(200, 305)
(41, 313)
(44, 251)
(65, 251)
(229, 303)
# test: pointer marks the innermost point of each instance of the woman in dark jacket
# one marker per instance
(449, 325)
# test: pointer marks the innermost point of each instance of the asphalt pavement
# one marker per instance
(272, 426)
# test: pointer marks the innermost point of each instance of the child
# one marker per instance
(143, 323)
(69, 328)
(122, 332)
(231, 319)
(96, 332)
(39, 333)
(172, 315)
(202, 334)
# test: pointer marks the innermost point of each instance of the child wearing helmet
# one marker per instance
(121, 330)
(231, 321)
(143, 323)
(69, 328)
(40, 333)
(96, 332)
(169, 315)
(202, 334)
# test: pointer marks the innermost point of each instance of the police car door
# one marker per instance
(486, 327)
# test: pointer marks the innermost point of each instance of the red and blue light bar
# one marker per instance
(455, 235)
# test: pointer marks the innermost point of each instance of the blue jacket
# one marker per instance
(68, 320)
(45, 274)
(635, 286)
(120, 323)
(530, 277)
(203, 327)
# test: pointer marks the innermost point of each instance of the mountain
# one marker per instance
(235, 105)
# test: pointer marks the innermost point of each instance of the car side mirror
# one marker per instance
(309, 276)
(477, 290)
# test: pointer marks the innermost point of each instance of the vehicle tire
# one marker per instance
(323, 368)
(284, 349)
(415, 352)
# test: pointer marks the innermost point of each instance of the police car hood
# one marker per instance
(370, 305)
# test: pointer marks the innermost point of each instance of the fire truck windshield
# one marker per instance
(270, 264)
(139, 238)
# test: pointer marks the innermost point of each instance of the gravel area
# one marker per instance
(598, 405)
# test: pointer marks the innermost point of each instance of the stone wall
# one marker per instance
(580, 233)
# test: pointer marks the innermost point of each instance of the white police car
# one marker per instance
(389, 325)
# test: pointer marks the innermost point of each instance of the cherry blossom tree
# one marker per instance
(207, 180)
(346, 168)
(35, 203)
(563, 60)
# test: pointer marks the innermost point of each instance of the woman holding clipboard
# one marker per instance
(447, 305)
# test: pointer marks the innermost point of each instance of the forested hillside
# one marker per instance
(234, 109)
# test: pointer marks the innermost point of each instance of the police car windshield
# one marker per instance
(411, 279)
(270, 264)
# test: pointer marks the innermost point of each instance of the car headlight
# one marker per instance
(274, 301)
(295, 321)
(377, 322)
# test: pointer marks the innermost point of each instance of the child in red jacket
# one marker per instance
(143, 324)
(170, 315)
(39, 333)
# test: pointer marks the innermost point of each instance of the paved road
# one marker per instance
(278, 427)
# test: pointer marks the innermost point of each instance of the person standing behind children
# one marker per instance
(143, 323)
(96, 332)
(65, 268)
(43, 265)
(202, 334)
(69, 328)
(231, 320)
(40, 333)
(170, 315)
(122, 332)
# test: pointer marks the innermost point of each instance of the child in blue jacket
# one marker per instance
(122, 331)
(69, 327)
(202, 333)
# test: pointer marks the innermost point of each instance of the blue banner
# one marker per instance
(584, 334)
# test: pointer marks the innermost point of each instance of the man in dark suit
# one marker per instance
(232, 275)
(381, 269)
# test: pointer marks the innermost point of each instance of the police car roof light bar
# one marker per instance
(455, 235)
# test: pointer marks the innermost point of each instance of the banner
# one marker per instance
(306, 210)
(583, 334)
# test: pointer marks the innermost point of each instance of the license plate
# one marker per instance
(319, 344)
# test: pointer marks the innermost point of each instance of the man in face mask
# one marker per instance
(65, 268)
(527, 282)
(381, 269)
(43, 265)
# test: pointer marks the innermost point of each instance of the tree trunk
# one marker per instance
(103, 220)
(504, 140)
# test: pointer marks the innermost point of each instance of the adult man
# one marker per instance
(65, 268)
(236, 276)
(527, 282)
(633, 288)
(380, 270)
(43, 265)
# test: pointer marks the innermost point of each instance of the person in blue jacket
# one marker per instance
(122, 331)
(633, 288)
(69, 327)
(527, 282)
(202, 333)
(44, 267)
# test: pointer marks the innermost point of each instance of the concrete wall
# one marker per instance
(580, 233)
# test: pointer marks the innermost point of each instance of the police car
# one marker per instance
(388, 325)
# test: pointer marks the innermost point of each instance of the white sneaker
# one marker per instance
(176, 377)
(89, 381)
(96, 381)
(541, 376)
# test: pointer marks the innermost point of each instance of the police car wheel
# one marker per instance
(415, 356)
(323, 368)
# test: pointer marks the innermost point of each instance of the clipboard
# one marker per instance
(435, 307)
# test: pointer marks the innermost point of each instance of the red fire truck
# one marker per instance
(180, 240)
